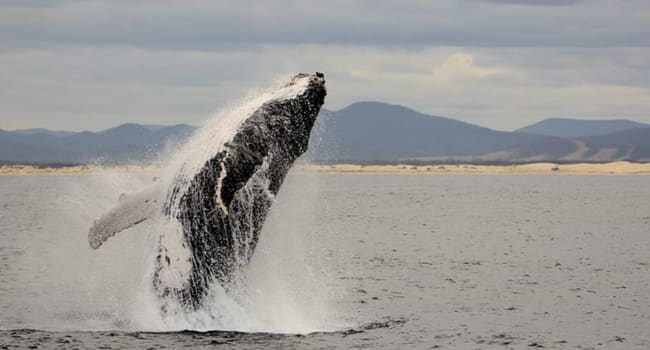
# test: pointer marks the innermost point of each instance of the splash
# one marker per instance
(217, 131)
(239, 308)
(71, 287)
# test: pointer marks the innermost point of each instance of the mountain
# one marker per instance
(14, 148)
(574, 128)
(375, 131)
(542, 149)
(57, 133)
(125, 143)
(631, 144)
(361, 132)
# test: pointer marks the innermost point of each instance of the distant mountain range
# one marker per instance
(373, 131)
(362, 132)
(574, 128)
(127, 143)
(380, 132)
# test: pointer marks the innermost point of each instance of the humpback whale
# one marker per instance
(219, 197)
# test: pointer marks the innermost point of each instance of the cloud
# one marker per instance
(222, 25)
(460, 66)
(91, 88)
(537, 2)
(441, 68)
(500, 63)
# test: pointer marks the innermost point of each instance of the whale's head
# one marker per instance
(293, 119)
(280, 129)
(274, 135)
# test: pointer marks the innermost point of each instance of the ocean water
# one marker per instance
(347, 261)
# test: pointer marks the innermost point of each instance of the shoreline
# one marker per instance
(541, 168)
(27, 170)
(613, 168)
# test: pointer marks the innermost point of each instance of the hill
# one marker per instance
(125, 143)
(57, 133)
(574, 128)
(631, 144)
(364, 132)
(374, 131)
(379, 132)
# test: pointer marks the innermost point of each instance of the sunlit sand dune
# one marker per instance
(532, 168)
(617, 168)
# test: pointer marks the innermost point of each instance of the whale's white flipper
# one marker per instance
(132, 210)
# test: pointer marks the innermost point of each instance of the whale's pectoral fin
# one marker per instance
(132, 210)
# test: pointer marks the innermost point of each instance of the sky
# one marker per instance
(503, 64)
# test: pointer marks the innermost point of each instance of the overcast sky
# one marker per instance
(76, 65)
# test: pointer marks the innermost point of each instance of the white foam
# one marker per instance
(220, 310)
(216, 132)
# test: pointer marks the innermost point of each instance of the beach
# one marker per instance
(616, 168)
(613, 168)
(70, 170)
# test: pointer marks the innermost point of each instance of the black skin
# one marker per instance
(278, 131)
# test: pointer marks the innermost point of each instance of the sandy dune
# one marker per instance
(533, 168)
(67, 170)
(621, 168)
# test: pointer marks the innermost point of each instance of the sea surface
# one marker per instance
(347, 261)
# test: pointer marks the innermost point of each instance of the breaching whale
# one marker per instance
(220, 205)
